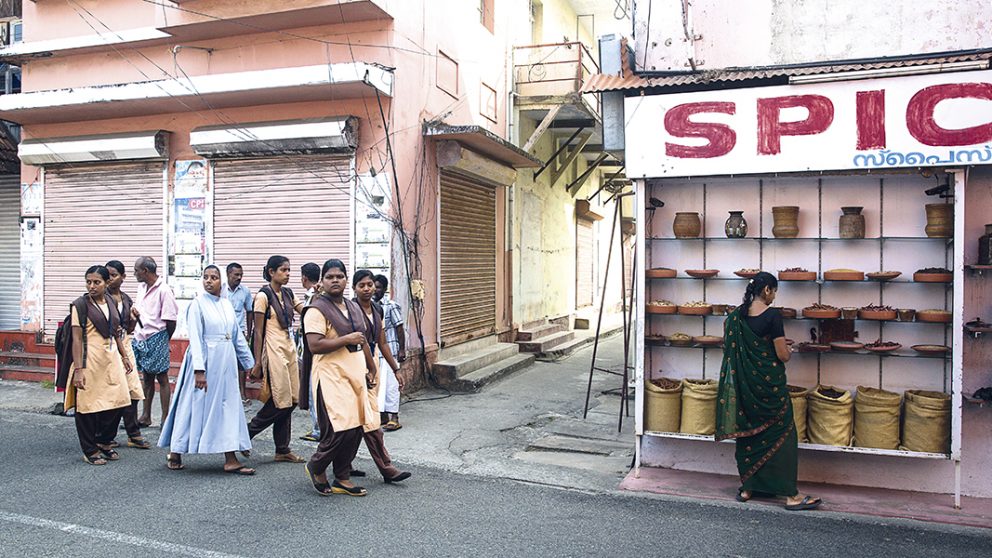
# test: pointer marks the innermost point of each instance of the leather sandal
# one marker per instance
(322, 488)
(174, 464)
(338, 488)
(109, 454)
(288, 458)
(139, 442)
(95, 459)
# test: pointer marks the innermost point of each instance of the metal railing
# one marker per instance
(550, 70)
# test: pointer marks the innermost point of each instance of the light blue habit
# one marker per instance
(210, 421)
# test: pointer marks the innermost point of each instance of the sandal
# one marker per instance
(94, 459)
(288, 458)
(114, 444)
(174, 464)
(808, 503)
(242, 470)
(139, 442)
(392, 426)
(322, 488)
(246, 453)
(356, 473)
(398, 478)
(338, 488)
(740, 495)
(109, 454)
(145, 424)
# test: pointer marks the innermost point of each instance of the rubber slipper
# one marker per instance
(288, 458)
(110, 455)
(322, 488)
(246, 471)
(808, 503)
(338, 488)
(740, 496)
(140, 443)
(94, 459)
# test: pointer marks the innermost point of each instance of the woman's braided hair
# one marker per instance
(755, 286)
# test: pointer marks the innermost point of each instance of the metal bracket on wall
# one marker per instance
(571, 153)
(608, 183)
(578, 182)
(558, 152)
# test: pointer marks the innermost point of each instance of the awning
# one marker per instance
(483, 141)
(238, 89)
(82, 149)
(323, 135)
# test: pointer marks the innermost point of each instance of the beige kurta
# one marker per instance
(280, 370)
(133, 381)
(106, 382)
(341, 378)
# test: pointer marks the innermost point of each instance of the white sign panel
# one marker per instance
(913, 121)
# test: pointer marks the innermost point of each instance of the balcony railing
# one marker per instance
(553, 70)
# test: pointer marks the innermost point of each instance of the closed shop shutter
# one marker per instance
(10, 252)
(96, 213)
(298, 207)
(468, 257)
(585, 278)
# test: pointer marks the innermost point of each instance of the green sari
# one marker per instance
(754, 408)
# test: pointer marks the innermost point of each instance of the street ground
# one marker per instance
(510, 471)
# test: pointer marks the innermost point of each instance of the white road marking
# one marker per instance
(111, 536)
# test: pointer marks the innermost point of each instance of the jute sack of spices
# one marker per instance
(699, 406)
(926, 423)
(663, 405)
(876, 418)
(830, 416)
(798, 396)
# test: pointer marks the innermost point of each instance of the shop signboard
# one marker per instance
(942, 119)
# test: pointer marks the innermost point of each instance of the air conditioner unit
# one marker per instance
(16, 31)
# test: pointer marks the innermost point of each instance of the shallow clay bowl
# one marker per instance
(933, 317)
(660, 309)
(887, 349)
(708, 340)
(788, 313)
(797, 276)
(821, 314)
(655, 339)
(681, 342)
(702, 273)
(879, 315)
(695, 310)
(812, 348)
(933, 277)
(883, 275)
(843, 276)
(745, 274)
(661, 273)
(931, 349)
(846, 346)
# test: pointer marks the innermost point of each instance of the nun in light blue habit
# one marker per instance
(206, 415)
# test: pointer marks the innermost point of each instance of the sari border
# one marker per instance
(769, 454)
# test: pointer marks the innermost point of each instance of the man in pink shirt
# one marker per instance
(157, 311)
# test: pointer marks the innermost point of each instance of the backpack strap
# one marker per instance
(82, 314)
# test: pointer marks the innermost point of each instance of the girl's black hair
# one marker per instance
(362, 274)
(117, 265)
(99, 270)
(275, 262)
(332, 264)
(755, 286)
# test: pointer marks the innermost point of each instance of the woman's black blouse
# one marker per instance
(768, 324)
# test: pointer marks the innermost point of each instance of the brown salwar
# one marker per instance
(337, 448)
(279, 419)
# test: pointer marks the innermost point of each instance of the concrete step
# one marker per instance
(579, 342)
(546, 344)
(27, 373)
(580, 445)
(18, 358)
(489, 374)
(458, 366)
(537, 332)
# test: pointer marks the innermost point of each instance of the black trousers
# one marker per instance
(335, 448)
(281, 421)
(97, 428)
(130, 416)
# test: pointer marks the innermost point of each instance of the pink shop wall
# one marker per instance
(858, 469)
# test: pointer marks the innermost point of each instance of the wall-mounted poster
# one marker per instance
(189, 216)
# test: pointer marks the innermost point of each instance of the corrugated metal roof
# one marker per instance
(628, 80)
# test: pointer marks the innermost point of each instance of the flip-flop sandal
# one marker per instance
(246, 453)
(398, 478)
(140, 443)
(114, 444)
(808, 503)
(242, 470)
(338, 488)
(288, 458)
(94, 459)
(174, 464)
(322, 488)
(740, 496)
(110, 454)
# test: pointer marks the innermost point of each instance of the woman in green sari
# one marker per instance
(753, 406)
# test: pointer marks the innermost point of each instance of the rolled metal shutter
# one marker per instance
(96, 213)
(468, 257)
(10, 252)
(585, 278)
(298, 207)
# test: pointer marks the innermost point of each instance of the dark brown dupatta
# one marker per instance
(342, 324)
(88, 312)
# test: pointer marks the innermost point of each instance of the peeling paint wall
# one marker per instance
(727, 33)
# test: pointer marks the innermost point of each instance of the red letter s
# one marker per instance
(722, 138)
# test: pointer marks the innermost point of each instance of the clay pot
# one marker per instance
(736, 226)
(786, 220)
(852, 223)
(687, 225)
(940, 220)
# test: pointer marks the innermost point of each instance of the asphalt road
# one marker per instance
(52, 504)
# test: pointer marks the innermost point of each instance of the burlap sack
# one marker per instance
(662, 405)
(830, 416)
(699, 406)
(798, 396)
(876, 418)
(926, 423)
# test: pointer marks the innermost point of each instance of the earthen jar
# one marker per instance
(940, 220)
(852, 222)
(687, 225)
(786, 219)
(907, 314)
